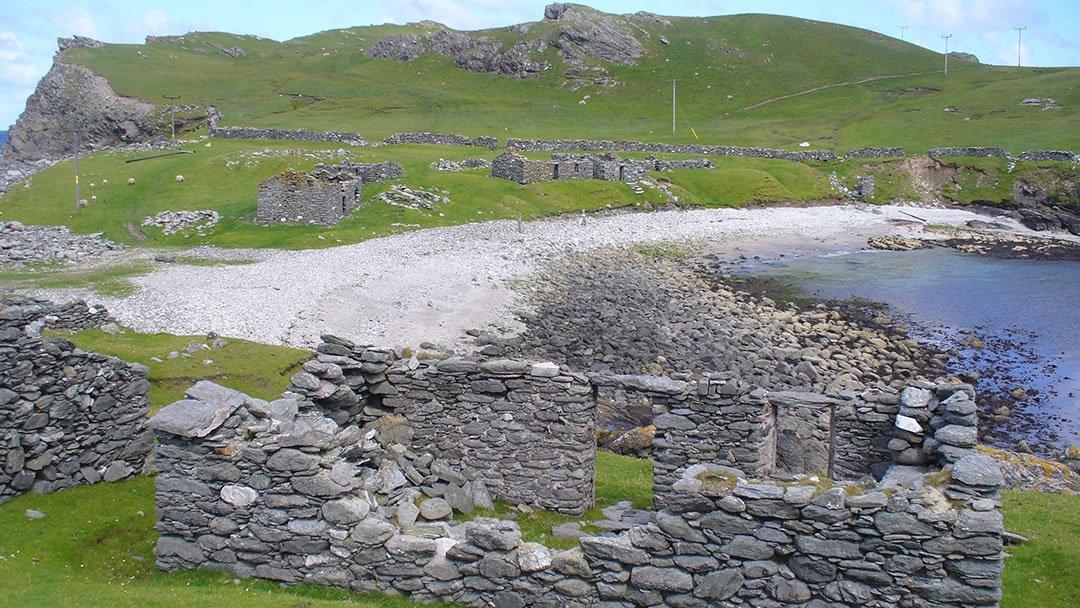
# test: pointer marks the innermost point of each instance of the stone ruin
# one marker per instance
(608, 167)
(763, 499)
(324, 196)
(67, 417)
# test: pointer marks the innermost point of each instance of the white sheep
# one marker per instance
(104, 182)
(93, 199)
(179, 179)
(93, 185)
(82, 203)
(131, 181)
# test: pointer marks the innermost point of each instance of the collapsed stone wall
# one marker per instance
(35, 313)
(528, 431)
(517, 168)
(67, 417)
(585, 145)
(969, 152)
(277, 491)
(1061, 156)
(442, 139)
(875, 153)
(367, 173)
(607, 167)
(345, 137)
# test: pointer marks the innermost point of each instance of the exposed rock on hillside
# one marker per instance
(78, 42)
(74, 97)
(964, 56)
(399, 47)
(587, 34)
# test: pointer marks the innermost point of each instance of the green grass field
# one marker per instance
(723, 66)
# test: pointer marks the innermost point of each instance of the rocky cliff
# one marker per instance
(74, 97)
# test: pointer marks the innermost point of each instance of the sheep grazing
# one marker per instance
(179, 179)
(93, 199)
(93, 185)
(104, 182)
(82, 203)
(131, 181)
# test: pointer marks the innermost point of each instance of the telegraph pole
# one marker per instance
(1019, 35)
(78, 208)
(902, 28)
(673, 106)
(172, 117)
(946, 37)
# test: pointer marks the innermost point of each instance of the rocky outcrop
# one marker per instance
(74, 97)
(602, 38)
(964, 56)
(399, 47)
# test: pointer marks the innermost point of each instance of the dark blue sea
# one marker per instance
(1026, 313)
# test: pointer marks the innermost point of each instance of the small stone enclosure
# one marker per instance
(350, 480)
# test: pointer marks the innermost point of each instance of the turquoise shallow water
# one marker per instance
(1027, 312)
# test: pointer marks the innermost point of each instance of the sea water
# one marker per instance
(1025, 312)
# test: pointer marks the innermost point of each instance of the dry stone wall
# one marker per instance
(442, 139)
(527, 430)
(969, 152)
(67, 417)
(367, 173)
(875, 153)
(1061, 156)
(352, 139)
(585, 145)
(279, 491)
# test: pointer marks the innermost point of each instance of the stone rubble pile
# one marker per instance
(171, 222)
(445, 165)
(416, 199)
(935, 421)
(67, 417)
(21, 245)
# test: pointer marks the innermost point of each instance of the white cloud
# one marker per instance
(78, 21)
(156, 21)
(10, 47)
(966, 15)
(458, 14)
(21, 74)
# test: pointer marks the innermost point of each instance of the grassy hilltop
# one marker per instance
(723, 65)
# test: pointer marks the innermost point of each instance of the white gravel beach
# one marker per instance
(431, 285)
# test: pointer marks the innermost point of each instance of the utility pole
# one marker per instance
(1019, 35)
(946, 37)
(673, 106)
(172, 117)
(78, 207)
(902, 28)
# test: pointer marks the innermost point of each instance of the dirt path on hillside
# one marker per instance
(822, 88)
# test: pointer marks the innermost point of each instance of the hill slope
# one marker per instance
(582, 73)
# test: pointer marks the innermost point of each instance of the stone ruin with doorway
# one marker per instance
(608, 166)
(352, 479)
(323, 196)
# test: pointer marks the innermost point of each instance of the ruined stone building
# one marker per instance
(608, 167)
(323, 196)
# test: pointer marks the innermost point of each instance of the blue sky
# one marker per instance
(29, 28)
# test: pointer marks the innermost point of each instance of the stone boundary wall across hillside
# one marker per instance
(969, 152)
(353, 139)
(875, 153)
(67, 417)
(279, 491)
(587, 145)
(1061, 156)
(442, 139)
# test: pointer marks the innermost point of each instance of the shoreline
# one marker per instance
(431, 285)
